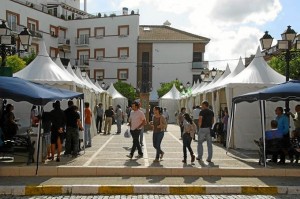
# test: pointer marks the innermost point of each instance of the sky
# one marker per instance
(234, 27)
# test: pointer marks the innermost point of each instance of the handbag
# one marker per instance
(127, 134)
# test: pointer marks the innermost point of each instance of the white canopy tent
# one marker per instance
(117, 98)
(171, 101)
(256, 76)
(43, 70)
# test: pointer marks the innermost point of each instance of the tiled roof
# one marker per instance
(167, 34)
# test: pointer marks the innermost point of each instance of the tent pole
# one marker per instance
(81, 101)
(40, 110)
(263, 116)
(231, 118)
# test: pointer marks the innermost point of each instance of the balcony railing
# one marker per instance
(80, 41)
(200, 65)
(63, 41)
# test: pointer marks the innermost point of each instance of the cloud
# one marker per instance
(236, 11)
(232, 25)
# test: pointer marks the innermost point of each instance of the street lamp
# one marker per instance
(8, 41)
(213, 74)
(288, 37)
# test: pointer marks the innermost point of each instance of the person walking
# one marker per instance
(206, 120)
(58, 121)
(99, 117)
(108, 114)
(196, 112)
(189, 131)
(165, 113)
(180, 121)
(158, 125)
(73, 125)
(119, 118)
(87, 125)
(137, 120)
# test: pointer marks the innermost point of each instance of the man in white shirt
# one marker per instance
(196, 112)
(137, 120)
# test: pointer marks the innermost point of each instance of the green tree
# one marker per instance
(15, 62)
(28, 59)
(166, 87)
(278, 63)
(126, 90)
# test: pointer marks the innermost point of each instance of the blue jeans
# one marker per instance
(186, 140)
(87, 135)
(119, 123)
(142, 136)
(157, 138)
(204, 134)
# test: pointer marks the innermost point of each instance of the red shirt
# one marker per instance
(87, 116)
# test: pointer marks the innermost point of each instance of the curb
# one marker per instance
(145, 189)
(79, 171)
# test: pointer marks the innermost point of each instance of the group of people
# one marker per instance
(109, 116)
(65, 125)
(137, 120)
(200, 124)
(288, 144)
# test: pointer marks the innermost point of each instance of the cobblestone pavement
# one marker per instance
(156, 197)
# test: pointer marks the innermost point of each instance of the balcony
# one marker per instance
(36, 34)
(64, 44)
(82, 62)
(200, 65)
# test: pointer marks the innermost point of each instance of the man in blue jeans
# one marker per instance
(206, 120)
(137, 120)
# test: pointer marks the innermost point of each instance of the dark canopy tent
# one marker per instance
(22, 90)
(287, 91)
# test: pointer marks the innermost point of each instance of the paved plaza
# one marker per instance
(105, 169)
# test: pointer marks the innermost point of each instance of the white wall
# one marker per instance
(181, 53)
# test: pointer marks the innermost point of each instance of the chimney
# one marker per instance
(84, 8)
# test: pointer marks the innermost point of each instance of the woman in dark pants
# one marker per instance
(189, 131)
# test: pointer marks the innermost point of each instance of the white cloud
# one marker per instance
(232, 25)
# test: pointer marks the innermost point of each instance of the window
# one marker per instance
(99, 32)
(99, 54)
(84, 59)
(122, 74)
(84, 39)
(32, 24)
(99, 74)
(12, 20)
(197, 57)
(53, 31)
(123, 53)
(196, 78)
(123, 31)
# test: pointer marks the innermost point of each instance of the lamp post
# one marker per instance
(8, 43)
(286, 44)
(213, 74)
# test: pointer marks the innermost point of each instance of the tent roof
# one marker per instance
(113, 92)
(43, 69)
(258, 72)
(172, 94)
(288, 90)
(216, 81)
(240, 67)
(22, 90)
(76, 78)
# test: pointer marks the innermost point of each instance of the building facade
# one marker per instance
(109, 46)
